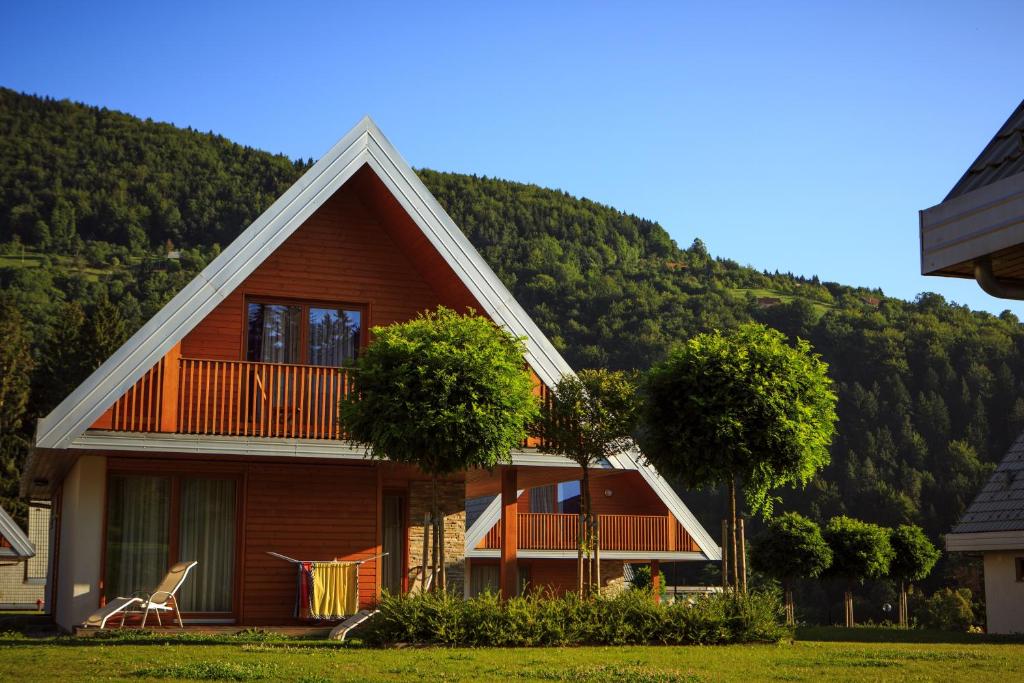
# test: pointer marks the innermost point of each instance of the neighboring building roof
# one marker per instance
(1000, 504)
(364, 145)
(1001, 158)
(21, 548)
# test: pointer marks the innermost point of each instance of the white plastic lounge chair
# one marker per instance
(163, 599)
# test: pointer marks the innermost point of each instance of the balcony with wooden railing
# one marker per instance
(631, 533)
(233, 398)
(237, 398)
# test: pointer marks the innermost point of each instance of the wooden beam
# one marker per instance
(169, 390)
(508, 567)
(656, 580)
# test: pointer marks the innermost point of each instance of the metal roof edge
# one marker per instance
(10, 530)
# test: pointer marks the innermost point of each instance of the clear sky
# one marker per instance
(800, 137)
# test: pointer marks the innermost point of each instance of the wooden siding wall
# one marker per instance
(630, 496)
(346, 252)
(309, 513)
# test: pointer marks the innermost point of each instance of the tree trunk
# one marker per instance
(904, 617)
(597, 554)
(443, 568)
(848, 599)
(788, 595)
(588, 533)
(735, 581)
(725, 554)
(742, 557)
(426, 553)
(433, 517)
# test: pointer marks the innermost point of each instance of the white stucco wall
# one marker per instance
(81, 536)
(1004, 595)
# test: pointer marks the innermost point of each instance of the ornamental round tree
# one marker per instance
(589, 417)
(860, 550)
(913, 559)
(744, 409)
(444, 392)
(790, 547)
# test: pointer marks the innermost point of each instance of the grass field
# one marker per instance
(816, 654)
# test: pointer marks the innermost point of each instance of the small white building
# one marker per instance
(993, 526)
(23, 559)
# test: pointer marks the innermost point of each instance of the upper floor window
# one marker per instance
(313, 334)
(563, 497)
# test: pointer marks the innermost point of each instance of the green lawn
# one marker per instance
(817, 654)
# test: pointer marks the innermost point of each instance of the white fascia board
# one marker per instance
(487, 519)
(636, 556)
(363, 145)
(985, 540)
(21, 548)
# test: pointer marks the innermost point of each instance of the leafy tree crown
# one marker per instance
(743, 405)
(443, 391)
(590, 416)
(860, 550)
(914, 555)
(791, 546)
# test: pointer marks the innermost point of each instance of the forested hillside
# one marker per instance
(92, 201)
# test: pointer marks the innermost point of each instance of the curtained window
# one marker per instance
(274, 333)
(563, 497)
(141, 546)
(137, 533)
(302, 333)
(208, 535)
(333, 336)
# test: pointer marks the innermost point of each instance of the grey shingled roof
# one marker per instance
(1000, 504)
(1001, 158)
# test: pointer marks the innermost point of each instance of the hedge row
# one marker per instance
(631, 618)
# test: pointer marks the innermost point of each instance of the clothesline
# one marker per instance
(294, 561)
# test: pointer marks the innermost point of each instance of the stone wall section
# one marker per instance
(452, 502)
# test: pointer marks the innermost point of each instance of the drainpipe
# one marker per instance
(993, 285)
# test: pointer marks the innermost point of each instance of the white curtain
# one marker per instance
(274, 333)
(208, 536)
(137, 534)
(542, 498)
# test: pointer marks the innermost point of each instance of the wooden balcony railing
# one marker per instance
(635, 533)
(234, 398)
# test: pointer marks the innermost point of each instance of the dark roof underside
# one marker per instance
(1000, 504)
(1001, 158)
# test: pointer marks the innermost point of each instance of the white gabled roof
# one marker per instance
(21, 548)
(364, 145)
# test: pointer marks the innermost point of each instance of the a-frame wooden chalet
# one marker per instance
(211, 433)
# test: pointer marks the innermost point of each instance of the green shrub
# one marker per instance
(642, 579)
(946, 610)
(630, 618)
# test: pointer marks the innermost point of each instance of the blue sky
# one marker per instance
(800, 137)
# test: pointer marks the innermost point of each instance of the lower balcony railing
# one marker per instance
(558, 531)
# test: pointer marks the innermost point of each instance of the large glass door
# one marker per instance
(154, 521)
(207, 529)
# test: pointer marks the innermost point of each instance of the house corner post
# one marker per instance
(508, 567)
(169, 390)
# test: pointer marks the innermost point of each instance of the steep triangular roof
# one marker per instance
(21, 548)
(363, 146)
(1002, 157)
(999, 506)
